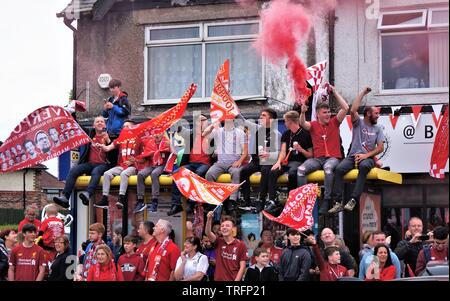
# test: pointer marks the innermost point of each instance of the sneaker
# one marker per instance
(229, 206)
(246, 205)
(259, 205)
(140, 206)
(175, 209)
(336, 208)
(350, 205)
(154, 206)
(121, 202)
(84, 199)
(61, 201)
(323, 208)
(104, 204)
(271, 206)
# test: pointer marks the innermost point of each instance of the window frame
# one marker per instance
(430, 18)
(380, 66)
(203, 41)
(404, 26)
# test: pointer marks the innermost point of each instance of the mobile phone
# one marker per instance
(424, 237)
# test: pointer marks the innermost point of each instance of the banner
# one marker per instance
(162, 122)
(195, 188)
(222, 105)
(44, 134)
(298, 210)
(407, 148)
(439, 156)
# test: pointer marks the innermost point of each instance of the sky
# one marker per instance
(35, 61)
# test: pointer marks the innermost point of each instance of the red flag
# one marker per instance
(222, 104)
(76, 106)
(394, 120)
(44, 134)
(297, 212)
(349, 121)
(439, 155)
(162, 122)
(198, 189)
(170, 164)
(415, 116)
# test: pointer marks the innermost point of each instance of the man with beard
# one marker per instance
(43, 143)
(367, 142)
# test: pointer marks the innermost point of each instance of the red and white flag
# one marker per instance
(415, 115)
(315, 74)
(160, 123)
(44, 134)
(222, 104)
(297, 212)
(196, 188)
(76, 106)
(439, 156)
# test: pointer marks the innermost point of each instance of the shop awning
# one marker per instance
(317, 176)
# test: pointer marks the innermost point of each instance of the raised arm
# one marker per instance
(357, 103)
(343, 105)
(212, 237)
(303, 123)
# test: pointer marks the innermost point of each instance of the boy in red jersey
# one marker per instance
(130, 266)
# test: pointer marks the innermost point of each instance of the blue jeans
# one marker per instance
(198, 168)
(96, 171)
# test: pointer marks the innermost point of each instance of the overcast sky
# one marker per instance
(35, 61)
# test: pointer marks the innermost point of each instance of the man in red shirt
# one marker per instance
(130, 266)
(126, 167)
(326, 144)
(231, 253)
(435, 252)
(163, 259)
(27, 262)
(145, 231)
(93, 161)
(30, 218)
(268, 244)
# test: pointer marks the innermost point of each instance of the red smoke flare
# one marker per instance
(285, 25)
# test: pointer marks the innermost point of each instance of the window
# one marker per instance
(414, 50)
(179, 55)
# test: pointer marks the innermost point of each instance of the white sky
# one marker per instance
(35, 61)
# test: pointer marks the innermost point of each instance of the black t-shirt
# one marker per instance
(302, 137)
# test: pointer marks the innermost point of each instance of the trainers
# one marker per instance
(259, 205)
(84, 199)
(61, 201)
(104, 204)
(323, 208)
(271, 206)
(140, 206)
(175, 209)
(154, 206)
(350, 205)
(336, 208)
(246, 205)
(121, 202)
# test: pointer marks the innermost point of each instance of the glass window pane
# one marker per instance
(172, 69)
(439, 17)
(402, 19)
(405, 61)
(233, 30)
(174, 33)
(245, 67)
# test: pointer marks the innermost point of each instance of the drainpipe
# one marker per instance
(331, 25)
(68, 23)
(24, 188)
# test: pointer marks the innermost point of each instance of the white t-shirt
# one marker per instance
(198, 263)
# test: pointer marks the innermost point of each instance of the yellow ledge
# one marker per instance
(315, 177)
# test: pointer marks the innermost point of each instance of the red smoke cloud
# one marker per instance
(285, 25)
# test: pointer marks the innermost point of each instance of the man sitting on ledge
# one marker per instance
(367, 142)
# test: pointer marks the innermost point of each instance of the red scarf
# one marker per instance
(159, 254)
(111, 268)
